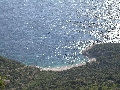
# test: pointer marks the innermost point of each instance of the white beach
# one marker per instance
(68, 67)
(90, 60)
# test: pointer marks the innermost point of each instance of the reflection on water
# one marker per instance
(52, 33)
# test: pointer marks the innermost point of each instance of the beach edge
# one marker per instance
(90, 60)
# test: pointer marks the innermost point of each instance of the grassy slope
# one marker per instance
(104, 74)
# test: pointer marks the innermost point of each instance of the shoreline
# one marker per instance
(69, 66)
(90, 60)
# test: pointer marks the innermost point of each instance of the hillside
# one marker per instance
(104, 74)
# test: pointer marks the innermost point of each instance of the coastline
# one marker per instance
(68, 67)
(90, 60)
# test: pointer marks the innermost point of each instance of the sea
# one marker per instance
(52, 33)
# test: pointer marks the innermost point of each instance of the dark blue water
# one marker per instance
(50, 32)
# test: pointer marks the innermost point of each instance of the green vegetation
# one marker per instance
(2, 82)
(104, 74)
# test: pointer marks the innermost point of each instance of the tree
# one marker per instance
(2, 83)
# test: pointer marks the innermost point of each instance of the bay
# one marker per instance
(51, 33)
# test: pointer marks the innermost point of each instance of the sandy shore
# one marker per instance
(71, 66)
(68, 67)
